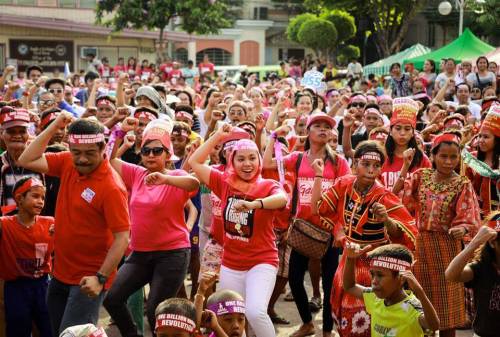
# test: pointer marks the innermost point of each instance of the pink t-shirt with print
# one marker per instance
(305, 181)
(156, 212)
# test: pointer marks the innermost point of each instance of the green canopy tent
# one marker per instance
(381, 67)
(467, 46)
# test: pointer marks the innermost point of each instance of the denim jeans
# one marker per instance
(68, 306)
(163, 270)
(25, 304)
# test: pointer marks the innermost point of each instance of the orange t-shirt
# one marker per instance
(25, 251)
(89, 210)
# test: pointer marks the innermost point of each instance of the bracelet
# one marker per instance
(318, 177)
(261, 203)
(119, 134)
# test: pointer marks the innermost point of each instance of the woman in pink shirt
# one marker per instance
(159, 237)
(250, 258)
(319, 128)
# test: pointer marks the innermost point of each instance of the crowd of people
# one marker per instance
(385, 190)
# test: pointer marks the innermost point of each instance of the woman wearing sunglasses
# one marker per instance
(159, 236)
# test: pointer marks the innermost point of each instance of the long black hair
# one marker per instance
(486, 254)
(330, 154)
(390, 147)
(496, 149)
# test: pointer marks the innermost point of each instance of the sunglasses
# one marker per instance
(146, 151)
(358, 105)
(47, 102)
(56, 91)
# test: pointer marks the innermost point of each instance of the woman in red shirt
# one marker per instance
(401, 145)
(250, 258)
(319, 129)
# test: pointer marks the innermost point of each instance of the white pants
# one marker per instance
(256, 286)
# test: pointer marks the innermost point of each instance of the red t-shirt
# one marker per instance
(206, 68)
(217, 225)
(281, 219)
(165, 69)
(249, 237)
(118, 69)
(152, 228)
(391, 172)
(25, 251)
(89, 210)
(305, 181)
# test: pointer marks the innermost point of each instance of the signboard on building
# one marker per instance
(50, 55)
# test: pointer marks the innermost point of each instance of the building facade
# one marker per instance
(52, 32)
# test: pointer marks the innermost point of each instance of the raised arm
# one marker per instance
(459, 270)
(353, 251)
(318, 167)
(199, 157)
(33, 157)
(348, 122)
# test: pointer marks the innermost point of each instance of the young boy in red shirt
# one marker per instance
(25, 260)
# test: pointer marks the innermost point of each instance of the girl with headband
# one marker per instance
(481, 274)
(359, 209)
(446, 209)
(159, 240)
(483, 166)
(319, 128)
(250, 259)
(26, 246)
(403, 154)
(227, 305)
(177, 317)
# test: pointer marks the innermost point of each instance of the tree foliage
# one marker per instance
(484, 16)
(347, 53)
(343, 22)
(197, 16)
(295, 24)
(391, 19)
(318, 34)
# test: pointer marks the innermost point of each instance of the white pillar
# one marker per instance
(191, 47)
(236, 53)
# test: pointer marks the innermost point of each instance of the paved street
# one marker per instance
(285, 309)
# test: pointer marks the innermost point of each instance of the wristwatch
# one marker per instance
(101, 278)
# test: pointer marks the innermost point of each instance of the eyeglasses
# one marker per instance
(146, 151)
(47, 102)
(56, 91)
(358, 105)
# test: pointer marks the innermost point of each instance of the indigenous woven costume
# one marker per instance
(350, 216)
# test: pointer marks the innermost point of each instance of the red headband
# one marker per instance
(27, 185)
(106, 102)
(86, 139)
(48, 118)
(371, 156)
(373, 111)
(390, 263)
(180, 133)
(494, 224)
(145, 114)
(175, 321)
(184, 114)
(445, 137)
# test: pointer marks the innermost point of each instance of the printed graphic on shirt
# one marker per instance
(238, 225)
(495, 298)
(88, 195)
(305, 186)
(385, 331)
(32, 267)
(390, 178)
(216, 205)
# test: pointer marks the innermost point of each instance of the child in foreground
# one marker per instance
(226, 305)
(482, 275)
(26, 246)
(394, 311)
(176, 317)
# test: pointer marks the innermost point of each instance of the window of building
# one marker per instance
(91, 4)
(217, 56)
(26, 2)
(111, 53)
(2, 56)
(5, 2)
(260, 13)
(67, 3)
(181, 55)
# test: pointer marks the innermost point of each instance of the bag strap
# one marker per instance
(295, 192)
